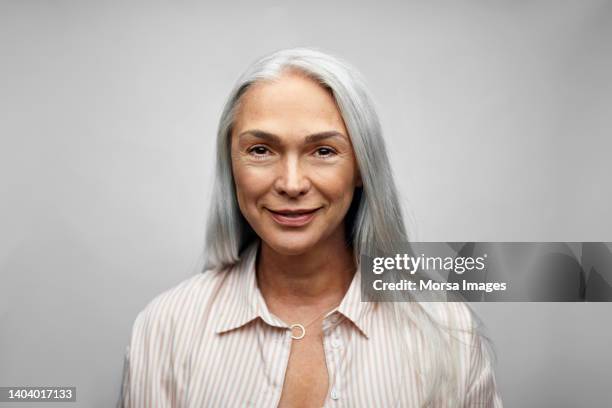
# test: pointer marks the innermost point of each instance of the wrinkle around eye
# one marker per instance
(251, 152)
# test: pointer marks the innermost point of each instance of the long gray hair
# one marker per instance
(374, 216)
(374, 221)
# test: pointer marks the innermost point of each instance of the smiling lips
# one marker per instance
(293, 218)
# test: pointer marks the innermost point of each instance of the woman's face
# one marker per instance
(293, 163)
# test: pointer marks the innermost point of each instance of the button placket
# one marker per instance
(285, 343)
(334, 349)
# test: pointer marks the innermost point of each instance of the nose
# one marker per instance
(291, 180)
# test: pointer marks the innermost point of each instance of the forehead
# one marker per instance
(291, 103)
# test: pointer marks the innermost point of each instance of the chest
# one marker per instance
(258, 366)
(306, 378)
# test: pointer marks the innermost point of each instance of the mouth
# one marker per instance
(293, 217)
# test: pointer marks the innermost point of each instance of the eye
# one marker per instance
(259, 151)
(325, 152)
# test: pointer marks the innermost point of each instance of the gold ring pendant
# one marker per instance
(299, 326)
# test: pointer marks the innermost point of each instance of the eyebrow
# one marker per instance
(272, 138)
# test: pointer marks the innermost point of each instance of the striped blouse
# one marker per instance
(212, 342)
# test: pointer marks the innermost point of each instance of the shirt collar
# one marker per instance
(243, 301)
(358, 312)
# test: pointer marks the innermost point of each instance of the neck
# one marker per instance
(313, 280)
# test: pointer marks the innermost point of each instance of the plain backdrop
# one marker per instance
(497, 116)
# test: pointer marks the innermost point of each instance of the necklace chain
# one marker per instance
(303, 327)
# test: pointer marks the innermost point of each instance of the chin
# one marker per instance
(288, 246)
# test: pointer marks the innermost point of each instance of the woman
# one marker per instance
(303, 187)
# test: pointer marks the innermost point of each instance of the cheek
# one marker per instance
(249, 187)
(338, 188)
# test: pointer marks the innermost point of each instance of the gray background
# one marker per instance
(497, 116)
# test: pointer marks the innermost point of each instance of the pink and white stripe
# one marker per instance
(212, 342)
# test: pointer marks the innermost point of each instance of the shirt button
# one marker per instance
(334, 394)
(336, 343)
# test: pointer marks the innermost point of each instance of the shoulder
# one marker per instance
(167, 308)
(454, 316)
(471, 358)
(462, 331)
(163, 331)
(475, 353)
